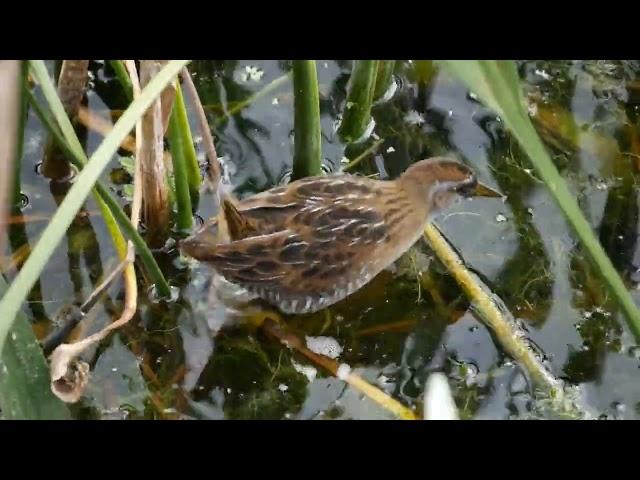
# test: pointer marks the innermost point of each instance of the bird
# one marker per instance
(309, 244)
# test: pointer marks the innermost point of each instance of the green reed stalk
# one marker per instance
(424, 70)
(184, 220)
(123, 77)
(192, 167)
(357, 112)
(384, 77)
(308, 139)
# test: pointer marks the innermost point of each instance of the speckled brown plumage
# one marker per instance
(308, 245)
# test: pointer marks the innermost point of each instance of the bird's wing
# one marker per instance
(325, 245)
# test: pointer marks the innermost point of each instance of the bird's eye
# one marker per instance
(466, 189)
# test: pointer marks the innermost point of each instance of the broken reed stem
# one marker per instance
(155, 190)
(343, 372)
(10, 74)
(71, 85)
(511, 338)
(213, 169)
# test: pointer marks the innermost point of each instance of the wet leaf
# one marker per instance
(24, 376)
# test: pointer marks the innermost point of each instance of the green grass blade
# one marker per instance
(357, 112)
(307, 155)
(25, 393)
(184, 220)
(123, 77)
(496, 83)
(39, 72)
(55, 231)
(188, 150)
(384, 77)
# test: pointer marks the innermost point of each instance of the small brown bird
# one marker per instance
(315, 241)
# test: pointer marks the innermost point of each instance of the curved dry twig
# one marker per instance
(68, 377)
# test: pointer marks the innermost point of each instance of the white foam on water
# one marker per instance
(327, 346)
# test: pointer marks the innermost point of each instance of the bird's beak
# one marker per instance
(482, 190)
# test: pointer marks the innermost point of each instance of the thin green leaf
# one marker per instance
(55, 231)
(123, 77)
(384, 78)
(189, 151)
(184, 220)
(39, 72)
(497, 84)
(252, 98)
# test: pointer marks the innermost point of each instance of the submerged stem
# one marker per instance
(343, 372)
(511, 338)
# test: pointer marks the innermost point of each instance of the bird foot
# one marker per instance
(256, 315)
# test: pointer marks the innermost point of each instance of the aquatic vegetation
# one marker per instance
(184, 354)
